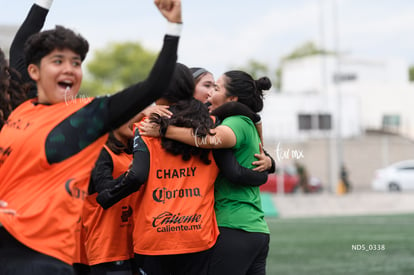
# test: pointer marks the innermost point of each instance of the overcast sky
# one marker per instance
(223, 34)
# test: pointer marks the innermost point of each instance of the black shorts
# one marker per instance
(239, 252)
(18, 259)
(114, 268)
(188, 264)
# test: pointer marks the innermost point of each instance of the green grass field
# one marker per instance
(334, 245)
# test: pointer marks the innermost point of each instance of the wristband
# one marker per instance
(46, 4)
(174, 29)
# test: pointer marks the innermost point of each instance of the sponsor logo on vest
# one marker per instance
(4, 153)
(176, 173)
(74, 191)
(126, 213)
(17, 124)
(163, 194)
(169, 222)
(170, 218)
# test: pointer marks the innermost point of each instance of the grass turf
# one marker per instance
(335, 245)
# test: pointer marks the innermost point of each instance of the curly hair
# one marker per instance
(189, 113)
(12, 91)
(43, 43)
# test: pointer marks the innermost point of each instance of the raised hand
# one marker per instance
(164, 4)
(170, 9)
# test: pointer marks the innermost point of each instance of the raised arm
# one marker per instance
(110, 113)
(124, 105)
(33, 23)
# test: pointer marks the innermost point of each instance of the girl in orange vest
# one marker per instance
(106, 235)
(175, 224)
(49, 145)
(243, 244)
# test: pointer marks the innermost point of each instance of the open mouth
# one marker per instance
(65, 85)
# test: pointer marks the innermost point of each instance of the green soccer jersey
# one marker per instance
(240, 206)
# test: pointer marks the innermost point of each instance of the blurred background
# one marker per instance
(339, 111)
(338, 120)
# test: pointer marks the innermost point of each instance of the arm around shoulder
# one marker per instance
(221, 137)
(234, 172)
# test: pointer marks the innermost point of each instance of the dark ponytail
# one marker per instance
(248, 90)
(263, 84)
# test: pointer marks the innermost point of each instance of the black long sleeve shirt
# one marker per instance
(107, 113)
(33, 23)
(102, 114)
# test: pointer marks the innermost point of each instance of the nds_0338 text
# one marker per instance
(368, 247)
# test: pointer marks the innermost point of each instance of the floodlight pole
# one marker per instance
(338, 97)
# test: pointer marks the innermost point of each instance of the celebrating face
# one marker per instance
(58, 76)
(219, 95)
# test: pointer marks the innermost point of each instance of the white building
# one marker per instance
(7, 33)
(297, 117)
(368, 95)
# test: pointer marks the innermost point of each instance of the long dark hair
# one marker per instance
(12, 91)
(189, 113)
(181, 86)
